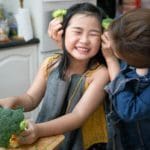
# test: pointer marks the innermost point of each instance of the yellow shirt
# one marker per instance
(94, 130)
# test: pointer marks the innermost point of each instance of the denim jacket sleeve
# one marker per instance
(130, 97)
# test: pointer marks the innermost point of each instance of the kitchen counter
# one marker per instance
(47, 143)
(14, 43)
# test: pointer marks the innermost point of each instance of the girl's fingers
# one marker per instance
(53, 29)
(29, 129)
(59, 35)
(24, 140)
(26, 137)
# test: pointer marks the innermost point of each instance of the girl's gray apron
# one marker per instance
(55, 104)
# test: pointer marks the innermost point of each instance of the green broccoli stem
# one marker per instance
(23, 125)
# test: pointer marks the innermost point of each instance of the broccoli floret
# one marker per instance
(10, 124)
(59, 13)
(106, 22)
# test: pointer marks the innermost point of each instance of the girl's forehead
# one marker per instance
(83, 17)
(84, 20)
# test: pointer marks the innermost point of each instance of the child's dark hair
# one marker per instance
(131, 35)
(81, 8)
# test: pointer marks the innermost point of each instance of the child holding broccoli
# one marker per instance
(70, 84)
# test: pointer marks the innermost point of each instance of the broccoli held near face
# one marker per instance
(59, 13)
(106, 22)
(12, 123)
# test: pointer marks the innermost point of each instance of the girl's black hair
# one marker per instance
(80, 8)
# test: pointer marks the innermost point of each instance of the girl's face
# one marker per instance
(82, 37)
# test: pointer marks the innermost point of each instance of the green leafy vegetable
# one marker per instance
(10, 124)
(106, 22)
(59, 13)
(23, 125)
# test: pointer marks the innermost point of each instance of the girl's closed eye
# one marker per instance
(77, 31)
(95, 34)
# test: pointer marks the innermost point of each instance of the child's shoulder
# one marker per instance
(96, 69)
(50, 62)
(99, 74)
(51, 59)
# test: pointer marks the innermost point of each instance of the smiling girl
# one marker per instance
(71, 84)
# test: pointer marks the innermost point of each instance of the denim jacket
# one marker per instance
(129, 95)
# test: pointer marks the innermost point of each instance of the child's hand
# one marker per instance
(106, 47)
(8, 102)
(55, 31)
(111, 59)
(30, 135)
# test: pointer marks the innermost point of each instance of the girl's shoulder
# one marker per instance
(50, 62)
(100, 73)
(95, 69)
(52, 59)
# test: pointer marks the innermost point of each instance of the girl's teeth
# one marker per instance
(83, 49)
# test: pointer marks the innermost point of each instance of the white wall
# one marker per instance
(10, 5)
(146, 3)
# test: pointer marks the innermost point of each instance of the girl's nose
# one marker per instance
(84, 38)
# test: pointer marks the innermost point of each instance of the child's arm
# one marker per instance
(89, 102)
(129, 104)
(111, 60)
(31, 98)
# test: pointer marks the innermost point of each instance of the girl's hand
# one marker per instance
(30, 135)
(55, 31)
(8, 102)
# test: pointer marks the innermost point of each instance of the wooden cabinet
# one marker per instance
(17, 69)
(18, 66)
